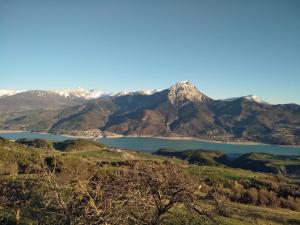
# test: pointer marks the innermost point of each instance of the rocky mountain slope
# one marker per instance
(181, 110)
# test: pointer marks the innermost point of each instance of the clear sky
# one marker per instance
(226, 48)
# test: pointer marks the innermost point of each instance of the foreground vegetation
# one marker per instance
(82, 182)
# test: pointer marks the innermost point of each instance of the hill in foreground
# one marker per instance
(92, 184)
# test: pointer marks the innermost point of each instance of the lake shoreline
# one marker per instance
(13, 131)
(250, 143)
(188, 138)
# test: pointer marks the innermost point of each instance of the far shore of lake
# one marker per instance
(12, 131)
(150, 136)
(195, 139)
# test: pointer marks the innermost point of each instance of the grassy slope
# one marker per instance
(239, 214)
(12, 153)
(288, 166)
(276, 160)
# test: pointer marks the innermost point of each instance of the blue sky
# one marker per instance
(226, 48)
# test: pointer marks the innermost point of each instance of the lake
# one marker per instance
(17, 135)
(149, 144)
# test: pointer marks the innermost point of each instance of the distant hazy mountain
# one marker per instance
(4, 93)
(36, 99)
(81, 93)
(253, 98)
(181, 110)
(33, 110)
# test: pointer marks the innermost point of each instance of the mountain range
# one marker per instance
(80, 93)
(179, 111)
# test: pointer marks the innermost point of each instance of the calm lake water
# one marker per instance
(47, 136)
(152, 144)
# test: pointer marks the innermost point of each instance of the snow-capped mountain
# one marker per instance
(178, 92)
(71, 92)
(179, 110)
(142, 92)
(252, 98)
(8, 92)
(146, 92)
(80, 93)
(121, 93)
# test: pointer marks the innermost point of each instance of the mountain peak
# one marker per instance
(142, 92)
(252, 98)
(184, 90)
(184, 83)
(80, 93)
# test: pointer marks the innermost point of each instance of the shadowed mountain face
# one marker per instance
(259, 122)
(181, 110)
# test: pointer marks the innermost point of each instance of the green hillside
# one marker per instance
(82, 182)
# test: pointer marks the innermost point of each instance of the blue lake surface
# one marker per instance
(149, 144)
(17, 135)
(153, 144)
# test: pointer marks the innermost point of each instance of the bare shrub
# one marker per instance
(144, 194)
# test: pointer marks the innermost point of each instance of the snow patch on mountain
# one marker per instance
(94, 93)
(40, 93)
(145, 92)
(121, 93)
(252, 98)
(80, 93)
(8, 92)
(142, 92)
